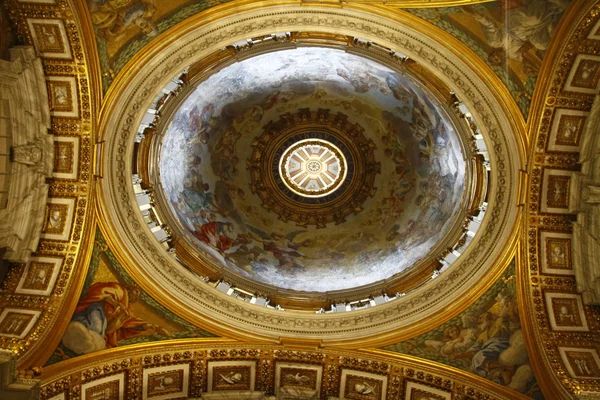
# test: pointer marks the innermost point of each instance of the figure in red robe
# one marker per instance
(217, 235)
(105, 310)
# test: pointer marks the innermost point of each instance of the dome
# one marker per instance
(312, 169)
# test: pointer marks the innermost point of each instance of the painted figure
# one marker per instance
(103, 318)
(113, 17)
(284, 249)
(529, 26)
(217, 235)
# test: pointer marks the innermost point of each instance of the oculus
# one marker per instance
(343, 163)
(313, 168)
(232, 147)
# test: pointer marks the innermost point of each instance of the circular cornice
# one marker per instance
(143, 359)
(356, 176)
(185, 294)
(312, 168)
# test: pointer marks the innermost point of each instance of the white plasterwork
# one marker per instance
(193, 296)
(585, 201)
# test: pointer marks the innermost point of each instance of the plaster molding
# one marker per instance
(585, 201)
(185, 294)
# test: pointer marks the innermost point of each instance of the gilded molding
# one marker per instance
(159, 275)
(131, 361)
(71, 249)
(548, 222)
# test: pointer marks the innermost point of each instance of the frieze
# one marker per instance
(182, 366)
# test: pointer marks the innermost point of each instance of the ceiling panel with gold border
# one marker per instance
(562, 331)
(193, 367)
(55, 30)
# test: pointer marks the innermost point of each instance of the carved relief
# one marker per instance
(167, 382)
(56, 215)
(362, 385)
(556, 253)
(301, 379)
(39, 276)
(566, 130)
(580, 362)
(58, 218)
(17, 322)
(28, 154)
(66, 159)
(584, 75)
(62, 96)
(108, 388)
(164, 383)
(230, 375)
(555, 191)
(298, 378)
(558, 192)
(231, 378)
(50, 38)
(565, 312)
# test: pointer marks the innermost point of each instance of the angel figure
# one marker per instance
(232, 377)
(298, 379)
(559, 193)
(283, 248)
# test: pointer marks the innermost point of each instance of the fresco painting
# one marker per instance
(206, 147)
(113, 311)
(485, 339)
(123, 28)
(511, 36)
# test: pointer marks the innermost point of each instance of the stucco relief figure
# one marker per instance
(163, 383)
(28, 154)
(557, 256)
(569, 129)
(587, 70)
(364, 388)
(49, 36)
(61, 96)
(582, 367)
(103, 318)
(298, 379)
(113, 17)
(232, 378)
(565, 316)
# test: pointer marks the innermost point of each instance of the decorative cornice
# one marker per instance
(67, 253)
(198, 354)
(160, 275)
(556, 97)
